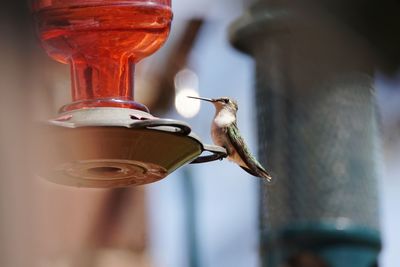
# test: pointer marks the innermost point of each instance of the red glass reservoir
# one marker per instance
(102, 41)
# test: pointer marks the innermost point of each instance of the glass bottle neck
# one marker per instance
(102, 78)
(103, 82)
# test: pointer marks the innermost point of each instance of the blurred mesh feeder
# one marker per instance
(113, 147)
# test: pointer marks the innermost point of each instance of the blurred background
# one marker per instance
(201, 215)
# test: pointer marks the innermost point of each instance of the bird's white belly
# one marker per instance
(220, 138)
(222, 120)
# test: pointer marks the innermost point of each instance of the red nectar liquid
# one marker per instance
(102, 43)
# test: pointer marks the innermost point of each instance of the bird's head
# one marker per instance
(221, 103)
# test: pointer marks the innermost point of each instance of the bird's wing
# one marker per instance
(253, 166)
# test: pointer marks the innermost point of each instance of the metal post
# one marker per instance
(317, 133)
(190, 217)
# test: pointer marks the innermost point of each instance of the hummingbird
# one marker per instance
(225, 133)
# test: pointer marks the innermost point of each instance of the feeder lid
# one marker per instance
(114, 147)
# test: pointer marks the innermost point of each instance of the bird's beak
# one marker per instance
(202, 98)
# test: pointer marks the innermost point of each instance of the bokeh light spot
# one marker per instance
(185, 106)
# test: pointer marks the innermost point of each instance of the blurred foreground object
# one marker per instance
(44, 224)
(317, 132)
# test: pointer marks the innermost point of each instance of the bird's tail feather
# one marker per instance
(261, 173)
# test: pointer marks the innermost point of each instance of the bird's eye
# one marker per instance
(226, 101)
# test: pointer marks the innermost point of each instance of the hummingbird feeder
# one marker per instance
(104, 138)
